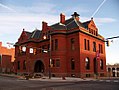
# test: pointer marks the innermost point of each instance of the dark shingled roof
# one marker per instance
(72, 24)
(58, 26)
(69, 24)
(36, 34)
(86, 24)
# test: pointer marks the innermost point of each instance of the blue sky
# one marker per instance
(29, 14)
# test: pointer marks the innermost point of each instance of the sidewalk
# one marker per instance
(9, 75)
(57, 79)
(53, 79)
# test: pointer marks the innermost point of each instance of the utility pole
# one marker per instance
(108, 42)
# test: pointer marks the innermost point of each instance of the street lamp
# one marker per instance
(50, 58)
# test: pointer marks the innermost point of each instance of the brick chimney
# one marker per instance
(44, 25)
(62, 18)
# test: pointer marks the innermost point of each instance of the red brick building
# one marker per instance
(6, 59)
(74, 48)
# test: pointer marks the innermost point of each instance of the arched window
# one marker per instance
(72, 64)
(87, 63)
(24, 64)
(101, 64)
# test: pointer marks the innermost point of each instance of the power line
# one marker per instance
(98, 8)
(113, 37)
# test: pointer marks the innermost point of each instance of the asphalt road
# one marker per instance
(7, 83)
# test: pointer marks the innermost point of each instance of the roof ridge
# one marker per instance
(87, 21)
(76, 21)
(70, 22)
(33, 33)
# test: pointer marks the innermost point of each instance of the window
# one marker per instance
(96, 33)
(94, 46)
(53, 63)
(101, 64)
(56, 44)
(57, 63)
(31, 50)
(24, 49)
(88, 48)
(44, 47)
(87, 75)
(0, 57)
(40, 49)
(86, 44)
(20, 49)
(72, 64)
(72, 44)
(101, 74)
(100, 48)
(24, 65)
(34, 51)
(48, 47)
(18, 65)
(52, 45)
(117, 69)
(87, 63)
(89, 30)
(109, 69)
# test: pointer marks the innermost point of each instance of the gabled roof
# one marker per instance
(35, 34)
(28, 34)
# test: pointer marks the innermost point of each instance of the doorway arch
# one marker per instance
(39, 67)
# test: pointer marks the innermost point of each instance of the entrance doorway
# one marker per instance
(39, 67)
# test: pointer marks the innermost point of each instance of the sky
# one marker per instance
(29, 14)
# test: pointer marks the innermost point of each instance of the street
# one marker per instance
(7, 83)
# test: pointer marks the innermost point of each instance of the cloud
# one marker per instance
(32, 21)
(105, 20)
(99, 20)
(6, 7)
(36, 8)
(75, 9)
(11, 25)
